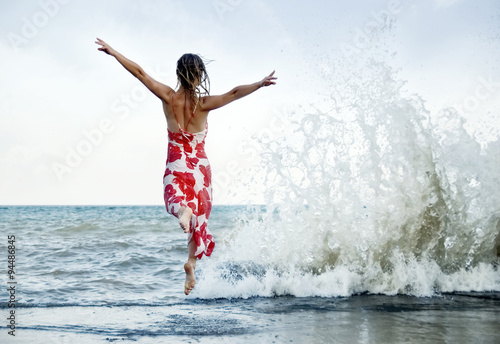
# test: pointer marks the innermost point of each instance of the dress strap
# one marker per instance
(192, 115)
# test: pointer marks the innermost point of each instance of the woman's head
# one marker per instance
(192, 75)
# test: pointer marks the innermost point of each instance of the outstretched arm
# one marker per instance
(215, 102)
(160, 90)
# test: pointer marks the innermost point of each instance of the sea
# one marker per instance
(97, 274)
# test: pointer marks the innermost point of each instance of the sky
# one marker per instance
(76, 128)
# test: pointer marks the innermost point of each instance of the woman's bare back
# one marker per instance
(179, 112)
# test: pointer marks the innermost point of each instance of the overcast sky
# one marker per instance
(76, 128)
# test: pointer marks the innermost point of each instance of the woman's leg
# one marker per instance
(184, 216)
(189, 268)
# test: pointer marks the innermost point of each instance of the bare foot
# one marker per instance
(190, 279)
(185, 219)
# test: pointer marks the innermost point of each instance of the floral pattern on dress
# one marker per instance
(187, 183)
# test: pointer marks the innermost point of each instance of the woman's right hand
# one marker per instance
(105, 47)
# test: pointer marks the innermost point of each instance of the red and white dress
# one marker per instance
(187, 182)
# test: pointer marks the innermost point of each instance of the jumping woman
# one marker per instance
(187, 182)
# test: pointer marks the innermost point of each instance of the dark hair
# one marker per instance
(192, 75)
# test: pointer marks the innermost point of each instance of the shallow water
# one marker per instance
(451, 318)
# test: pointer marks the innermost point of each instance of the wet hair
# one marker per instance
(192, 75)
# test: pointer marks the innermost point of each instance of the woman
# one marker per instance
(187, 179)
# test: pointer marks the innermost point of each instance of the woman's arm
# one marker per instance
(215, 102)
(160, 90)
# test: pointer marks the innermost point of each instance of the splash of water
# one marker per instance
(375, 195)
